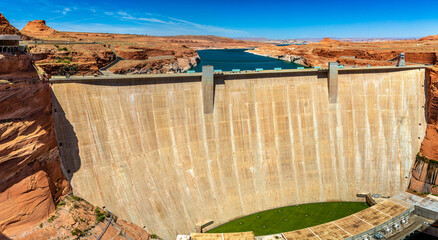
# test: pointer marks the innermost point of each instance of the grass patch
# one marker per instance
(291, 218)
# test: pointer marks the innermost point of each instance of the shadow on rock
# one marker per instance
(67, 141)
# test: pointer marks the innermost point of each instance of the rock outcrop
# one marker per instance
(6, 28)
(38, 28)
(15, 63)
(329, 41)
(31, 180)
(429, 38)
(30, 171)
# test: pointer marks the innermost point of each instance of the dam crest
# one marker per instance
(146, 149)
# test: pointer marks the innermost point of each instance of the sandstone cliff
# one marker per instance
(32, 184)
(31, 180)
(6, 28)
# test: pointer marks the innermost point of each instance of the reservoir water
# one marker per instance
(229, 59)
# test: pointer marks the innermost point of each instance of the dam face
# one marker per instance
(145, 150)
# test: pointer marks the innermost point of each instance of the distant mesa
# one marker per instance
(6, 28)
(38, 27)
(329, 41)
(429, 38)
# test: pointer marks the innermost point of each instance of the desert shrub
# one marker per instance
(76, 232)
(52, 218)
(100, 216)
(68, 69)
(76, 198)
(61, 203)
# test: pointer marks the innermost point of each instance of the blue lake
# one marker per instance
(229, 59)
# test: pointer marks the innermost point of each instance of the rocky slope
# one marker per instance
(31, 180)
(83, 59)
(6, 28)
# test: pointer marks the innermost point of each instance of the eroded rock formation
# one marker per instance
(31, 180)
(38, 28)
(6, 28)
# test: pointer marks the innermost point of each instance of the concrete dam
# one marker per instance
(171, 152)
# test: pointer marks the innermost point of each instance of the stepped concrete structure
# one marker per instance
(147, 149)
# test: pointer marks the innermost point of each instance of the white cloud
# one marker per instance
(65, 11)
(126, 16)
(180, 25)
(209, 27)
(133, 22)
(154, 20)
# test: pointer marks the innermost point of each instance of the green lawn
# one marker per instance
(291, 218)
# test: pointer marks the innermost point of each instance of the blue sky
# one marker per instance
(271, 19)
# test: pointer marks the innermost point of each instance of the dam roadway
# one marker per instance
(142, 146)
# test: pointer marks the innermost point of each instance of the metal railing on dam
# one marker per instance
(146, 148)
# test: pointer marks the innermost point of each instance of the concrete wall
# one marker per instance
(146, 151)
